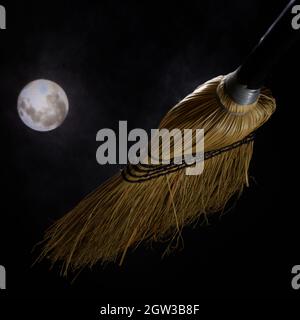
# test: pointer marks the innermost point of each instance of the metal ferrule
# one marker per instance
(239, 93)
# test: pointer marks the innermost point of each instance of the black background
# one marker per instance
(133, 60)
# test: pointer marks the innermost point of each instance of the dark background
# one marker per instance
(133, 60)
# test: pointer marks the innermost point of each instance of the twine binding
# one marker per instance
(147, 171)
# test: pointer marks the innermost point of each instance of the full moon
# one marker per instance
(43, 105)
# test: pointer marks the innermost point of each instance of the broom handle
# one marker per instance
(243, 85)
(277, 40)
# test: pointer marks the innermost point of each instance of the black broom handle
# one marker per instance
(278, 39)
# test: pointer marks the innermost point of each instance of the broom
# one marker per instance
(153, 202)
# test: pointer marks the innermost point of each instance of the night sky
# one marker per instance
(133, 60)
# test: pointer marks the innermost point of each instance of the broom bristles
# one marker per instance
(120, 215)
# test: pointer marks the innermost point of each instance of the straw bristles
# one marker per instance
(119, 215)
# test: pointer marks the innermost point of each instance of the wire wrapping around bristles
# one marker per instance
(119, 215)
(143, 172)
